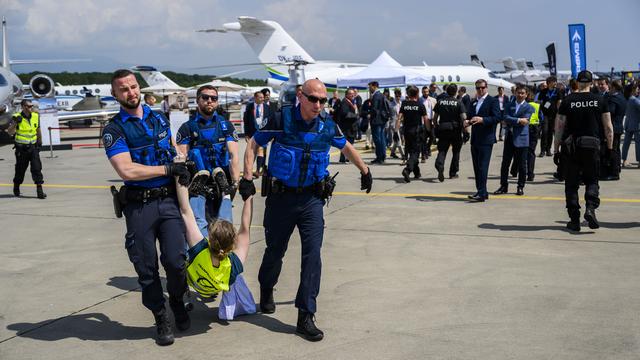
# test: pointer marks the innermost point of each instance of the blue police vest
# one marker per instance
(208, 146)
(298, 158)
(148, 148)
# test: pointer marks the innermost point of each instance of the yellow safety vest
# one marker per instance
(206, 279)
(27, 130)
(535, 118)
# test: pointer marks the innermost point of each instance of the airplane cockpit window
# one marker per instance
(492, 75)
(3, 81)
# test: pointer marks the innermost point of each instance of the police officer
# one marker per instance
(583, 116)
(210, 141)
(28, 140)
(137, 141)
(617, 107)
(549, 98)
(413, 116)
(449, 116)
(302, 136)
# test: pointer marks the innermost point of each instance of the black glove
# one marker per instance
(246, 188)
(465, 137)
(180, 170)
(556, 158)
(366, 181)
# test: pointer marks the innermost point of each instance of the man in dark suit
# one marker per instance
(464, 97)
(516, 119)
(270, 106)
(483, 115)
(347, 118)
(503, 101)
(256, 115)
(380, 114)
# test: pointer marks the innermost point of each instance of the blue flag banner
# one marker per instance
(577, 48)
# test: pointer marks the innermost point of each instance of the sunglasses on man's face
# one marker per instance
(213, 98)
(315, 99)
(480, 87)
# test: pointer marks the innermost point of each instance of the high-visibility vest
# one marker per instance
(535, 118)
(27, 130)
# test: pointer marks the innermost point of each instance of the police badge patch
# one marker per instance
(107, 140)
(178, 137)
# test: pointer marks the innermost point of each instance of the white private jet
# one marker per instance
(275, 48)
(523, 71)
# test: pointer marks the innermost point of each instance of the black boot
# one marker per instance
(590, 216)
(183, 322)
(164, 335)
(267, 305)
(306, 327)
(16, 190)
(574, 224)
(40, 192)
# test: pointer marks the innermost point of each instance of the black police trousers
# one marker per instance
(413, 144)
(156, 218)
(448, 138)
(548, 129)
(583, 164)
(283, 212)
(28, 155)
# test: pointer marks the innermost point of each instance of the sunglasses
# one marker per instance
(209, 97)
(315, 99)
(480, 87)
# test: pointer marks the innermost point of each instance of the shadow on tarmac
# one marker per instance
(427, 198)
(534, 228)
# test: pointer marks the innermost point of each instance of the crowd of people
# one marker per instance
(407, 124)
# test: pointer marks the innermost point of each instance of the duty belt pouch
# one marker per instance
(588, 142)
(117, 205)
(265, 186)
(569, 145)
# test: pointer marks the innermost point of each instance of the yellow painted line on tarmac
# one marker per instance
(362, 193)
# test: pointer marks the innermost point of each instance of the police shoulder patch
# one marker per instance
(178, 137)
(107, 140)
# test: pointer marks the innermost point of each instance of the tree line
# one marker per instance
(185, 80)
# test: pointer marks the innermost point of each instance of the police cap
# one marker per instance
(584, 76)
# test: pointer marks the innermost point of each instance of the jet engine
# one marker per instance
(42, 86)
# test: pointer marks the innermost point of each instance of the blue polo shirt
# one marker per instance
(114, 138)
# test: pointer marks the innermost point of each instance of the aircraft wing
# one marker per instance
(88, 114)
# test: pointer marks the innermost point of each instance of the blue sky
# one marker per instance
(161, 33)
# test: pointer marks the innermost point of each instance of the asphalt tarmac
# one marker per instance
(410, 271)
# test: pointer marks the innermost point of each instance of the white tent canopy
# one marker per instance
(387, 72)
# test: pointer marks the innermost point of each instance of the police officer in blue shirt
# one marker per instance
(138, 144)
(297, 184)
(210, 141)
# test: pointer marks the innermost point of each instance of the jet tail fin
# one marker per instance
(153, 77)
(268, 40)
(509, 64)
(476, 60)
(521, 64)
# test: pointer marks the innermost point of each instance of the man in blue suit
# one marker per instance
(516, 142)
(483, 115)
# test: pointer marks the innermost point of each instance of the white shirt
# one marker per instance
(479, 104)
(518, 106)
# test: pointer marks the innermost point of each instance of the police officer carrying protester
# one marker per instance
(297, 185)
(211, 142)
(28, 140)
(448, 118)
(582, 118)
(137, 141)
(413, 116)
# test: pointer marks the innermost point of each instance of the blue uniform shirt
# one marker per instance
(184, 134)
(287, 152)
(114, 138)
